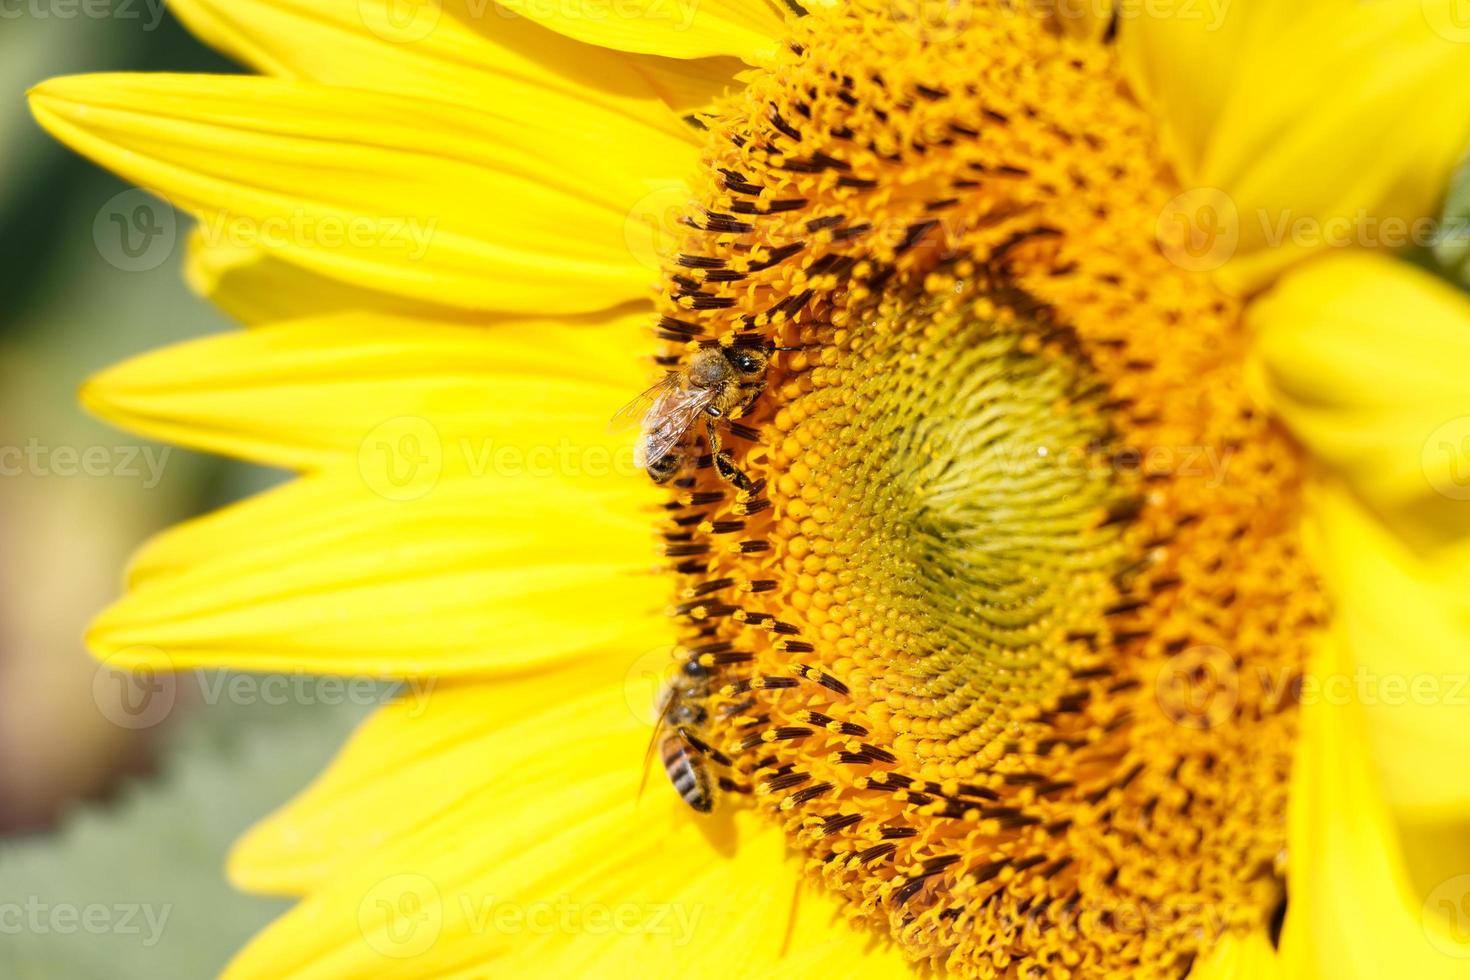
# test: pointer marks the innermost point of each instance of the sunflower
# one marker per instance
(1037, 612)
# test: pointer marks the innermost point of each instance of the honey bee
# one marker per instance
(720, 383)
(683, 752)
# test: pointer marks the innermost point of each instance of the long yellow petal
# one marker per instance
(440, 744)
(1365, 359)
(541, 860)
(1296, 113)
(398, 569)
(255, 285)
(455, 50)
(1248, 957)
(540, 204)
(1353, 911)
(1407, 628)
(745, 29)
(310, 393)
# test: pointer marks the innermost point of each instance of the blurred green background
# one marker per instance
(114, 823)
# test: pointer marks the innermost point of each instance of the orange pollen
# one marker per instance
(1005, 630)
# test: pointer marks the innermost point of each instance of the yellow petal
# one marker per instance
(1248, 957)
(1353, 911)
(538, 204)
(541, 860)
(395, 571)
(254, 285)
(1406, 626)
(455, 50)
(1438, 858)
(745, 29)
(309, 393)
(1296, 112)
(1365, 359)
(440, 744)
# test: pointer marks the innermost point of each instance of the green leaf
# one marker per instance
(135, 890)
(1451, 248)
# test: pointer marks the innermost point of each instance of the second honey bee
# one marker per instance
(719, 383)
(682, 752)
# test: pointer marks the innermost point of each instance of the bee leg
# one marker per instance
(729, 785)
(750, 400)
(704, 748)
(725, 463)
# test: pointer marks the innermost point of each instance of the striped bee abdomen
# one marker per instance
(687, 772)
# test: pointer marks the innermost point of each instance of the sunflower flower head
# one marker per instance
(983, 542)
(999, 591)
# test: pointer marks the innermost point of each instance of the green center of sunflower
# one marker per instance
(960, 454)
(1001, 509)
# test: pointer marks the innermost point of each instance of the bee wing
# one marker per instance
(673, 412)
(637, 410)
(666, 704)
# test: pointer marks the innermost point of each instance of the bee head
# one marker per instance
(749, 362)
